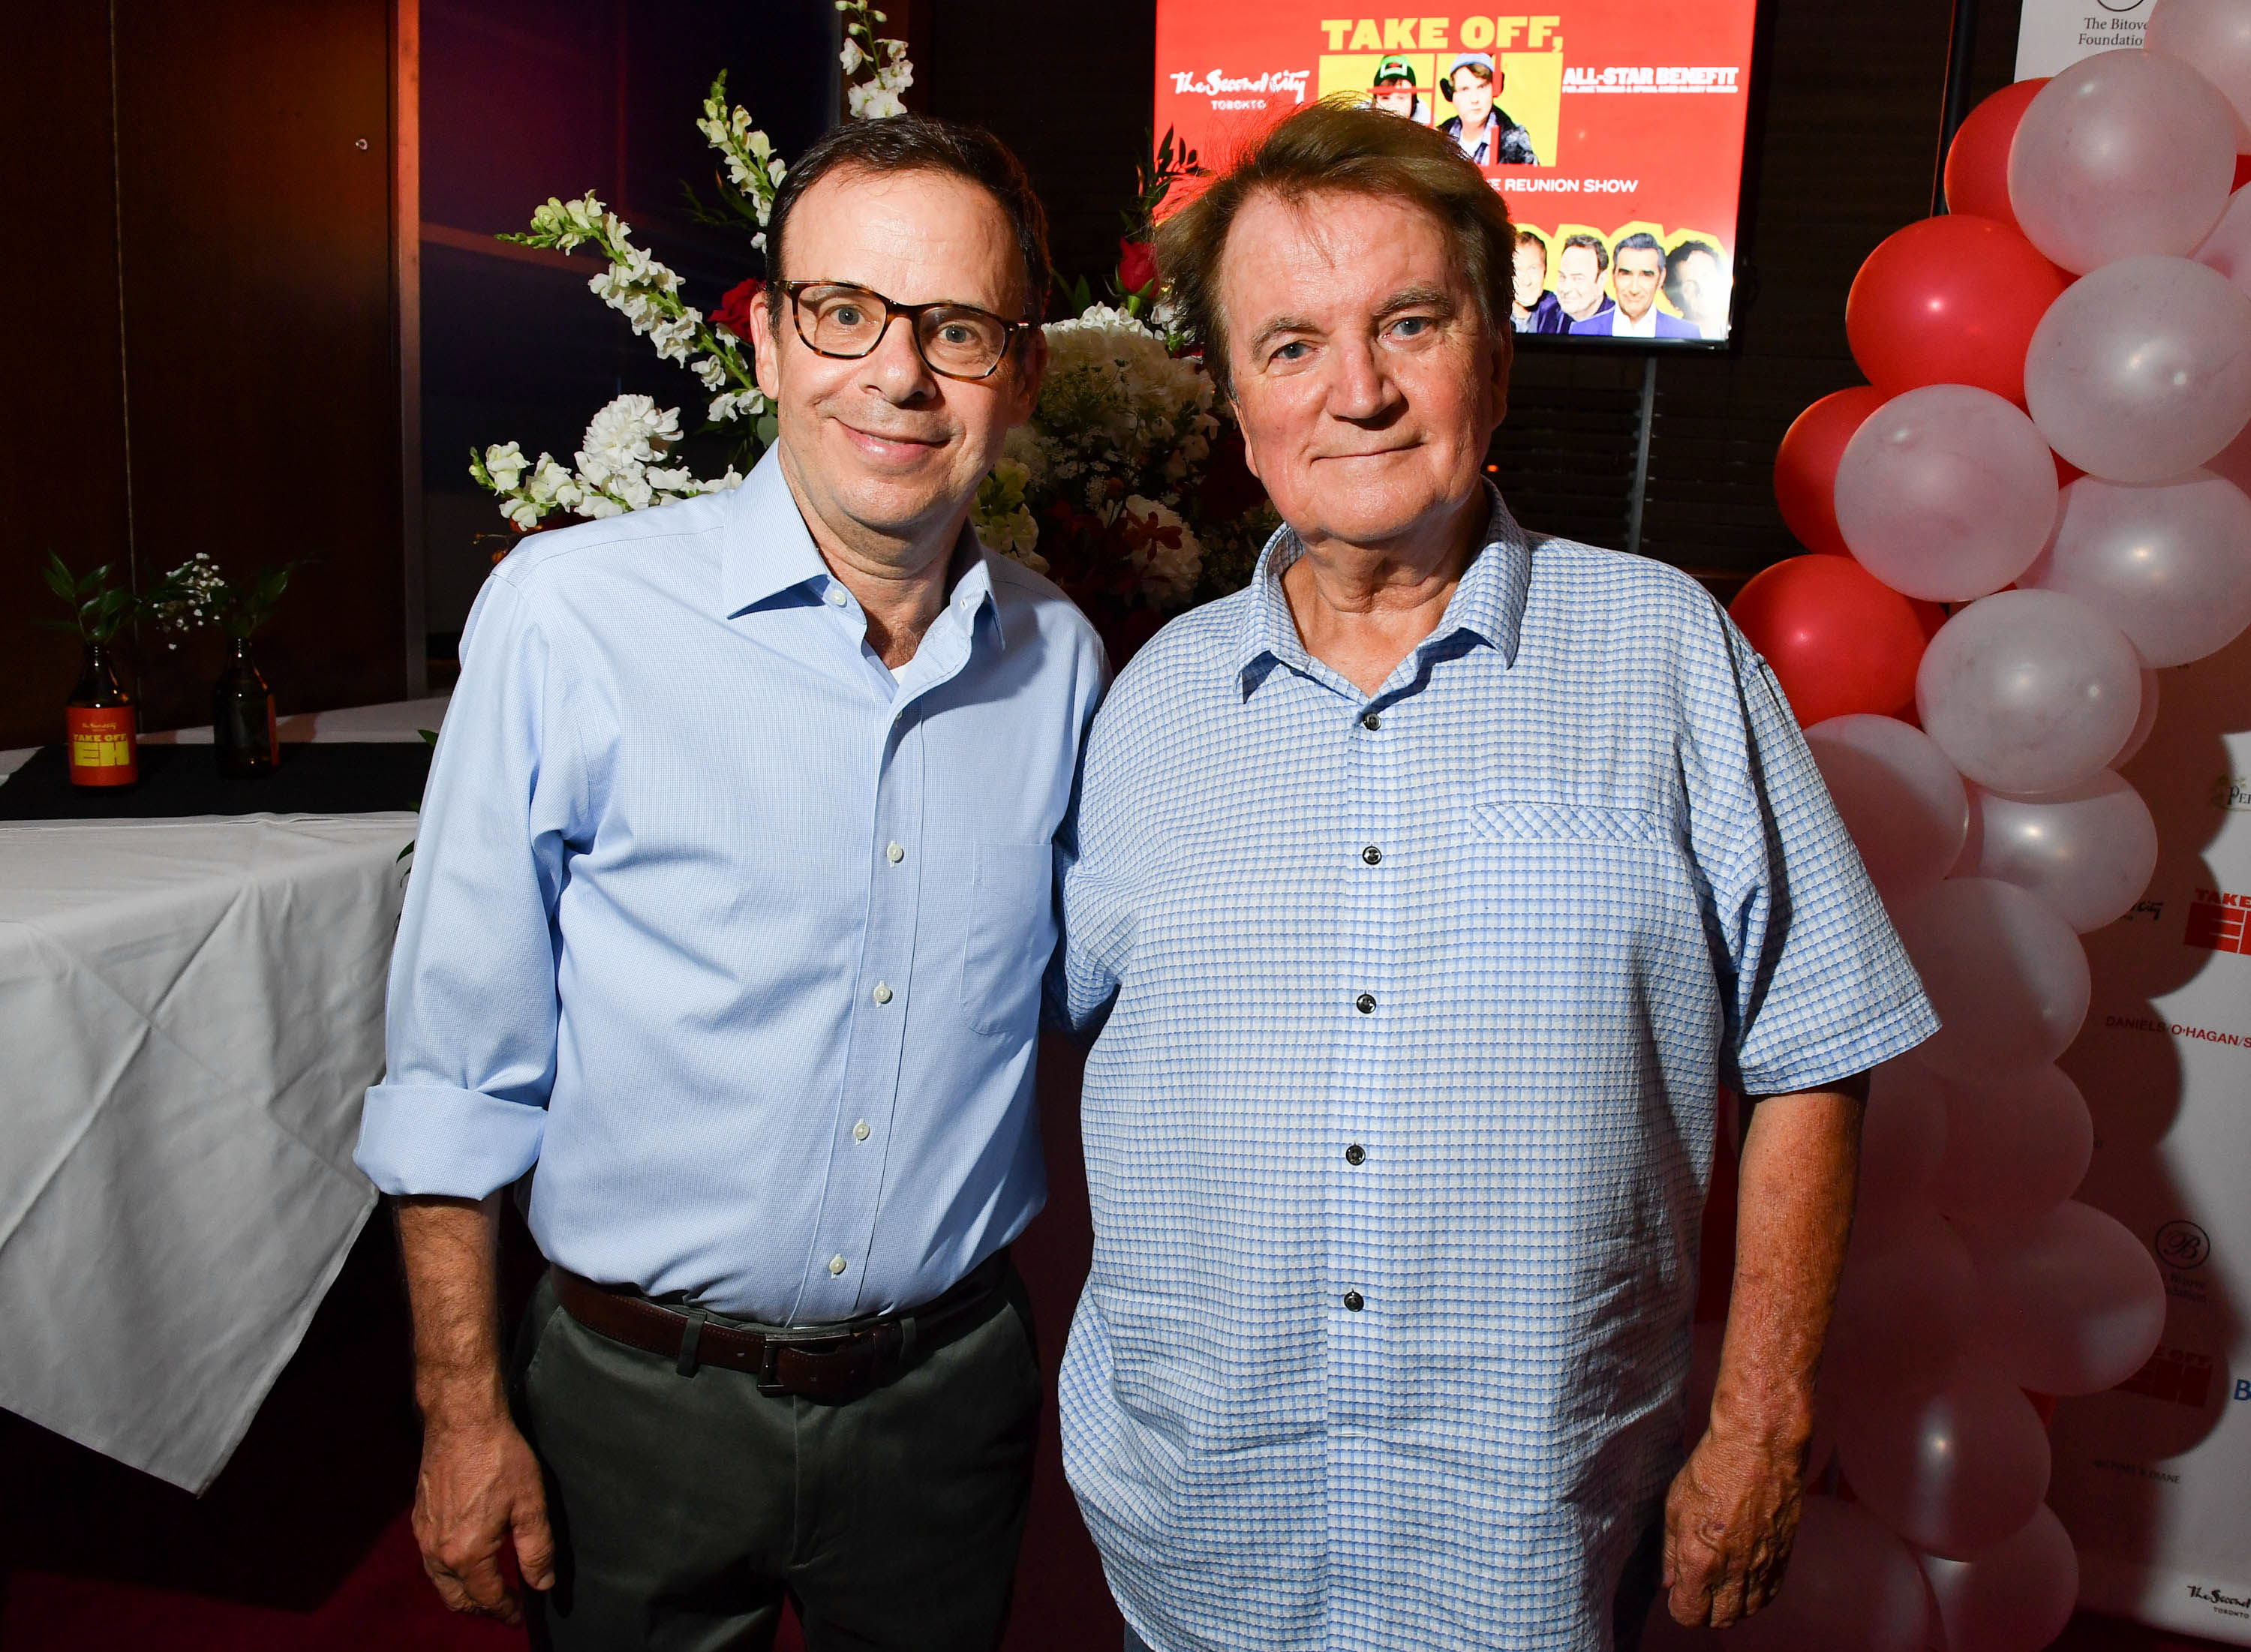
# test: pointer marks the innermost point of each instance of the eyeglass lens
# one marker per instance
(849, 321)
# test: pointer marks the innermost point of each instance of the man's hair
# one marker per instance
(916, 143)
(1476, 69)
(1678, 257)
(1641, 241)
(1532, 237)
(1594, 244)
(1329, 148)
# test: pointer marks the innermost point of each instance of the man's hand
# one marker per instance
(1730, 1522)
(480, 1487)
(1732, 1514)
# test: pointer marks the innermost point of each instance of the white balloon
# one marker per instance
(2213, 37)
(2121, 153)
(2228, 249)
(2142, 370)
(1851, 1586)
(1946, 493)
(1899, 798)
(2017, 1143)
(2168, 562)
(2142, 724)
(2029, 692)
(2088, 851)
(2071, 1302)
(1903, 1141)
(1953, 1469)
(2016, 1596)
(2007, 976)
(1905, 1303)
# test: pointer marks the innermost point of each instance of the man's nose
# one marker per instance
(896, 367)
(1361, 389)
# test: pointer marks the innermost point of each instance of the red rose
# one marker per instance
(1137, 265)
(734, 311)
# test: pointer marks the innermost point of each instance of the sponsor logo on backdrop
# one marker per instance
(2217, 920)
(2179, 1029)
(2182, 1244)
(1228, 91)
(2233, 1606)
(2177, 1376)
(2232, 792)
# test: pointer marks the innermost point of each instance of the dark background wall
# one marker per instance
(522, 99)
(200, 318)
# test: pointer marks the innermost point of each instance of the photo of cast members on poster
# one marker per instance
(1632, 283)
(1479, 124)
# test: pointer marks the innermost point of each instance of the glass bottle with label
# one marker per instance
(100, 722)
(244, 732)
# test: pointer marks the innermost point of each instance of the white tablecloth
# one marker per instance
(190, 1011)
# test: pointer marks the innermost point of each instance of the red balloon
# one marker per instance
(1950, 300)
(1840, 640)
(1806, 465)
(1977, 160)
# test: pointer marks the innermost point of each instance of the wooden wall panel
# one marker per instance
(254, 145)
(62, 455)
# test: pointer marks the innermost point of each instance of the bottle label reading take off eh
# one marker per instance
(101, 748)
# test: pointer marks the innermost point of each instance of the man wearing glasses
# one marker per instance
(732, 894)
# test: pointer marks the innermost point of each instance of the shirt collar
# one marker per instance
(1488, 604)
(766, 549)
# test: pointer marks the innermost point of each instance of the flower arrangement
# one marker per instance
(197, 594)
(619, 466)
(1128, 486)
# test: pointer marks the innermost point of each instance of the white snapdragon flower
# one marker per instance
(506, 465)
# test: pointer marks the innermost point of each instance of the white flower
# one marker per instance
(874, 103)
(851, 57)
(710, 370)
(505, 465)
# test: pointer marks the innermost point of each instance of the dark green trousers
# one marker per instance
(685, 1508)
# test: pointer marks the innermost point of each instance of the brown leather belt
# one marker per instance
(839, 1363)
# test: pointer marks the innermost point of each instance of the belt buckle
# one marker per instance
(769, 1356)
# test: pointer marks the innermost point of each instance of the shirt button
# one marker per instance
(883, 993)
(836, 1264)
(1372, 855)
(836, 596)
(1355, 1154)
(1365, 1003)
(860, 1131)
(1370, 721)
(1353, 1299)
(895, 854)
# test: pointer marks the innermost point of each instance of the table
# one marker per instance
(190, 1011)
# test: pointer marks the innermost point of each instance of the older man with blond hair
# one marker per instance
(1425, 894)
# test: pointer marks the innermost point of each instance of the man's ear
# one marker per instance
(1249, 453)
(765, 353)
(1031, 373)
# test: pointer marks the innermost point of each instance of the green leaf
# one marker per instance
(58, 578)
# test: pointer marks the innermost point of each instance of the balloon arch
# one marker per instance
(2033, 504)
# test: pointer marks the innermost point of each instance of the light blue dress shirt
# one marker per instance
(1400, 1126)
(734, 936)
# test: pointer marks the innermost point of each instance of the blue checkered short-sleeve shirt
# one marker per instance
(1400, 1121)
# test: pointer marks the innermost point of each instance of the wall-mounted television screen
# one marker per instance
(1614, 128)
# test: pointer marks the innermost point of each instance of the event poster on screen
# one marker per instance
(1604, 122)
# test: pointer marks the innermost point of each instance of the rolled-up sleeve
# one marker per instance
(472, 1010)
(1820, 987)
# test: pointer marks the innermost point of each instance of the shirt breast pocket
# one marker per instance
(1010, 935)
(1570, 894)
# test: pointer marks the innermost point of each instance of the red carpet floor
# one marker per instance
(302, 1544)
